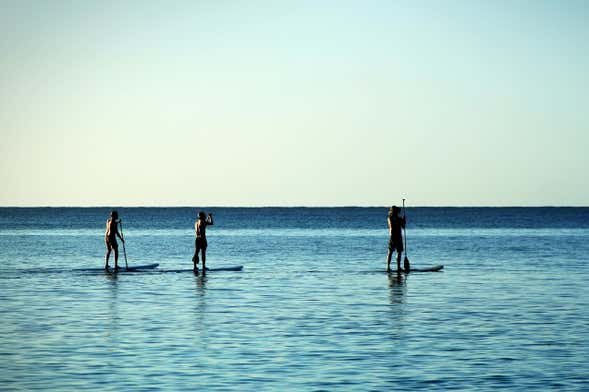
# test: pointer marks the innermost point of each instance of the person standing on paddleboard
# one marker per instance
(110, 238)
(200, 244)
(396, 224)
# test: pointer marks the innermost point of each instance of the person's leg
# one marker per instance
(116, 249)
(195, 259)
(390, 254)
(204, 259)
(107, 256)
(398, 261)
(204, 255)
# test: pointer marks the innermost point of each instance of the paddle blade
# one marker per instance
(406, 265)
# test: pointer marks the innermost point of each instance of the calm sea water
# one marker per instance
(313, 308)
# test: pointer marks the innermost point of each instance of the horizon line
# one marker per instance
(295, 206)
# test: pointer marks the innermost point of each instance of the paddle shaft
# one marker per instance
(406, 264)
(124, 250)
(404, 232)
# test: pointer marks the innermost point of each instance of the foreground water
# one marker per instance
(312, 309)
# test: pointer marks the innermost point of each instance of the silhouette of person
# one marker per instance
(200, 243)
(110, 238)
(396, 224)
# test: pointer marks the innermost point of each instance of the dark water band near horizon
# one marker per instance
(312, 308)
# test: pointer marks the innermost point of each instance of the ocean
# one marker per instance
(312, 309)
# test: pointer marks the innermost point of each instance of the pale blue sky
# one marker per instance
(251, 103)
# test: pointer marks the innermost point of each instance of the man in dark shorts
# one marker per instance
(396, 224)
(200, 243)
(110, 238)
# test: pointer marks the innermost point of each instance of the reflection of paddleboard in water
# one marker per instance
(430, 269)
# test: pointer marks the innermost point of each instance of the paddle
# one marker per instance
(406, 265)
(124, 250)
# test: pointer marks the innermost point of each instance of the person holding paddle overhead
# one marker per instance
(110, 238)
(200, 244)
(396, 224)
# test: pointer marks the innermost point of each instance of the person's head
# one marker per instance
(394, 210)
(201, 215)
(114, 214)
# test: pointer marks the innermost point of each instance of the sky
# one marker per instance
(294, 103)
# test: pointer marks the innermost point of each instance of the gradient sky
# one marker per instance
(255, 103)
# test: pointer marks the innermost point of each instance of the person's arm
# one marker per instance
(210, 220)
(390, 225)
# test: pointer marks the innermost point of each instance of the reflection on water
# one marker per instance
(200, 304)
(505, 313)
(112, 323)
(111, 275)
(201, 283)
(397, 287)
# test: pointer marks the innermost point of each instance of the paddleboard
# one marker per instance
(435, 268)
(233, 268)
(214, 269)
(132, 268)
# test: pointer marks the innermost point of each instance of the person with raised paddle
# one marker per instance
(200, 244)
(110, 238)
(396, 224)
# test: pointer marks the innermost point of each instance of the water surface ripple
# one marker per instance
(312, 309)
